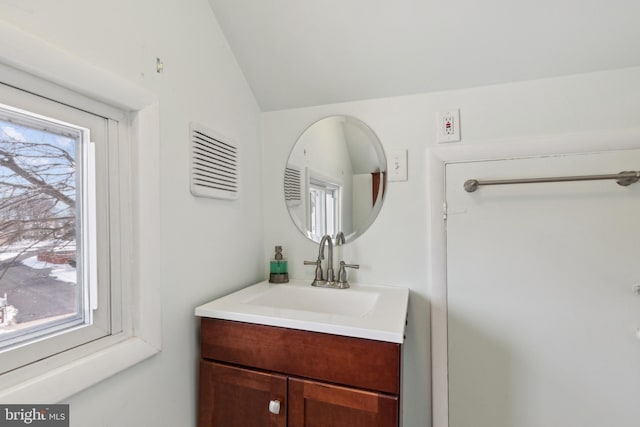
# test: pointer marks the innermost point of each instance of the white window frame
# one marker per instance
(34, 64)
(86, 327)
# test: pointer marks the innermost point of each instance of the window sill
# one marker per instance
(57, 384)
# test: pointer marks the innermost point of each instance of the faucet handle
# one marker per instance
(342, 274)
(318, 263)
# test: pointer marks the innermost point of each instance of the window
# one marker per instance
(123, 121)
(47, 236)
(49, 274)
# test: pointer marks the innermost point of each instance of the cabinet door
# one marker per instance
(314, 404)
(236, 397)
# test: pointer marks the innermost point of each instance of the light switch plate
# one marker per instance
(397, 165)
(448, 126)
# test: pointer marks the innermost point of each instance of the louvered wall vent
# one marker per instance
(292, 186)
(214, 164)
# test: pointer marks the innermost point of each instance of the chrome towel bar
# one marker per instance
(623, 178)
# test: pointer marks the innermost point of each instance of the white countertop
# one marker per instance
(361, 311)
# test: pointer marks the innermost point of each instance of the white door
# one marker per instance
(542, 315)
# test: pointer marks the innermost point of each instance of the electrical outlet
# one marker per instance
(397, 165)
(448, 126)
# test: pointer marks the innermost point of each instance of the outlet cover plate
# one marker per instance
(448, 126)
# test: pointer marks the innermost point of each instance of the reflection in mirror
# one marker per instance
(335, 179)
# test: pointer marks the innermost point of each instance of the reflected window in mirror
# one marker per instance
(325, 212)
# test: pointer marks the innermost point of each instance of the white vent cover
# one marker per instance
(214, 164)
(292, 186)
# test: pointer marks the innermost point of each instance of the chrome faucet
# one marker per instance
(323, 242)
(319, 279)
(329, 281)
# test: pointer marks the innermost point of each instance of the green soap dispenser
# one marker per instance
(278, 268)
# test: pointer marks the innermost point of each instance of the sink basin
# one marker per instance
(317, 300)
(362, 311)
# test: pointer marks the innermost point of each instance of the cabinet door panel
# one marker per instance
(313, 404)
(236, 397)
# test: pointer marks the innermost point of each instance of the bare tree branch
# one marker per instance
(9, 162)
(37, 196)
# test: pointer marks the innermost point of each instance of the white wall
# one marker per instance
(209, 247)
(394, 250)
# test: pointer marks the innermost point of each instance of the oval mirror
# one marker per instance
(335, 179)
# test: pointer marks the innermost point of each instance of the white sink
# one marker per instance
(317, 300)
(362, 311)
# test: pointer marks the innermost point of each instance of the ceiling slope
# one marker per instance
(302, 53)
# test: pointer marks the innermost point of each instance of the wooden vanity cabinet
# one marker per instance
(319, 380)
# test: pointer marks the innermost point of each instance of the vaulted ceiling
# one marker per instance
(297, 53)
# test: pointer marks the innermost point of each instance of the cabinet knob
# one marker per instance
(274, 407)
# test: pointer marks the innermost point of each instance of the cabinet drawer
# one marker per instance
(356, 362)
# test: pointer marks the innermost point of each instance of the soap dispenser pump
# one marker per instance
(278, 268)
